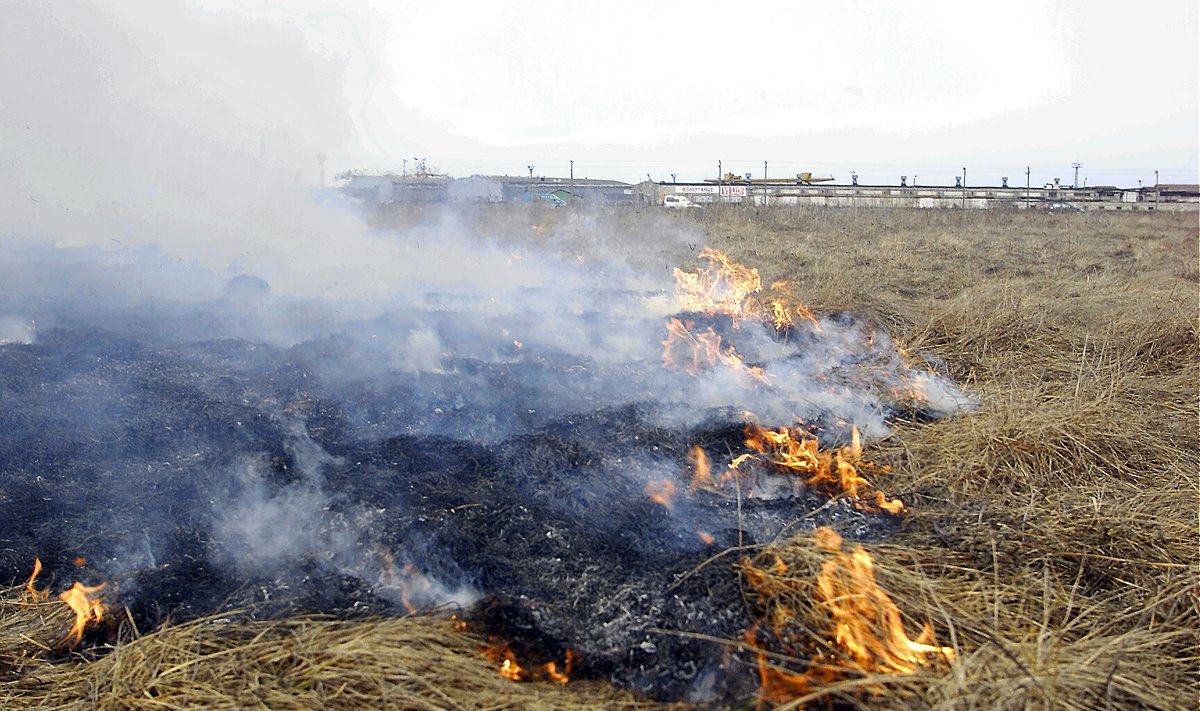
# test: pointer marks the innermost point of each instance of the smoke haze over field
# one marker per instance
(164, 125)
(206, 374)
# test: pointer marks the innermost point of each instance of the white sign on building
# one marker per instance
(695, 190)
(733, 191)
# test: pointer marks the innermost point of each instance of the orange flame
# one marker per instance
(32, 594)
(701, 469)
(408, 582)
(723, 286)
(726, 287)
(82, 600)
(702, 350)
(860, 617)
(868, 624)
(512, 670)
(795, 451)
(785, 315)
(87, 609)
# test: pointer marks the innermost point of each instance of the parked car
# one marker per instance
(678, 202)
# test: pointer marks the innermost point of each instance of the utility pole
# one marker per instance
(1075, 182)
(964, 197)
(321, 162)
(1156, 190)
(673, 176)
(404, 167)
(530, 167)
(572, 172)
(764, 171)
(1026, 187)
(720, 175)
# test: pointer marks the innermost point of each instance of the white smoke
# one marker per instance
(14, 329)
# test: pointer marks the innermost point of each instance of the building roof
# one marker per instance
(545, 180)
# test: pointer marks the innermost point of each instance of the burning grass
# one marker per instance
(1050, 537)
(417, 662)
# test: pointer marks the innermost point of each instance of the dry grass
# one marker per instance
(1052, 538)
(1053, 533)
(421, 662)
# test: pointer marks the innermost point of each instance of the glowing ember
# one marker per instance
(662, 492)
(509, 669)
(512, 670)
(88, 609)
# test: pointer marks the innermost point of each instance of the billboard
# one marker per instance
(733, 191)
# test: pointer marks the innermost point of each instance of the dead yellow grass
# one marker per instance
(421, 662)
(1052, 535)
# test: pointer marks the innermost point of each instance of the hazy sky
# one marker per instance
(627, 89)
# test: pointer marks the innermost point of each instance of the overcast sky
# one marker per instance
(627, 89)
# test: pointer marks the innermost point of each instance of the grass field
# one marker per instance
(1051, 537)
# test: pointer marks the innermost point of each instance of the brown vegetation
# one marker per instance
(1051, 537)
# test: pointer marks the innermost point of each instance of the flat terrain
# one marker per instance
(1051, 536)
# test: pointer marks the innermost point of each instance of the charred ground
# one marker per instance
(1050, 535)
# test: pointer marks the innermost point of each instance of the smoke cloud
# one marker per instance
(206, 334)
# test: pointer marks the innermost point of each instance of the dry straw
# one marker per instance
(1051, 538)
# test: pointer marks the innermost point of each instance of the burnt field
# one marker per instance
(618, 462)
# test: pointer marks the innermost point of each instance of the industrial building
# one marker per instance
(388, 188)
(1048, 197)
